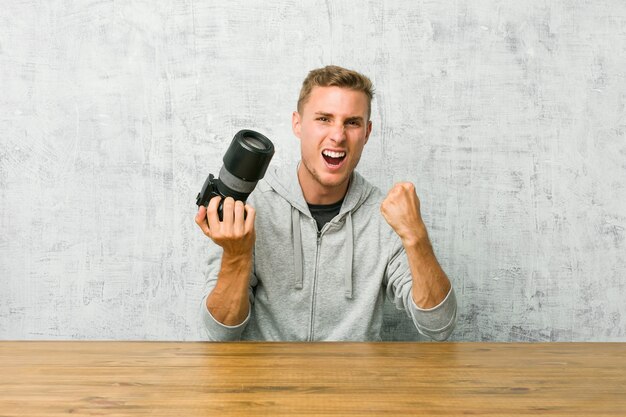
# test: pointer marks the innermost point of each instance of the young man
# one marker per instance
(320, 247)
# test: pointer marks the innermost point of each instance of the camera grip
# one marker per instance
(209, 191)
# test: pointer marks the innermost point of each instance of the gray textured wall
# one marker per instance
(508, 116)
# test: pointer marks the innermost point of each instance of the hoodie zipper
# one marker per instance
(317, 259)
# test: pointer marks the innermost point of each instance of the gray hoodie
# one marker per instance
(328, 285)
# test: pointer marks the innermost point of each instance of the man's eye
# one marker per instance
(354, 123)
(322, 119)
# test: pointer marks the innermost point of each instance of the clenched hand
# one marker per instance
(401, 209)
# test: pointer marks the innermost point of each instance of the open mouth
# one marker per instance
(333, 158)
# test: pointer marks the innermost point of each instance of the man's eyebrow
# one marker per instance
(348, 119)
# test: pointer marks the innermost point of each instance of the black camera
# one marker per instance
(245, 163)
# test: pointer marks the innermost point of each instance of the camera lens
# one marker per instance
(245, 163)
(248, 155)
(253, 142)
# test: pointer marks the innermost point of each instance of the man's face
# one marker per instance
(333, 128)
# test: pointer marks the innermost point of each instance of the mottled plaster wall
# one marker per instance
(508, 116)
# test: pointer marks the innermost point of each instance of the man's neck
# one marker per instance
(316, 193)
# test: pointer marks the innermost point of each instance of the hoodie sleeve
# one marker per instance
(213, 329)
(218, 332)
(437, 322)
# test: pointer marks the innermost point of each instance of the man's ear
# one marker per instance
(295, 123)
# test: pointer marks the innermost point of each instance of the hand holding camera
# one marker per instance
(223, 215)
(233, 233)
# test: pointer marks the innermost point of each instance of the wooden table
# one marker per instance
(289, 379)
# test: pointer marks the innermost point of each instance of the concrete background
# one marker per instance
(508, 116)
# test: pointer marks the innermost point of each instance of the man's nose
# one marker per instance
(338, 133)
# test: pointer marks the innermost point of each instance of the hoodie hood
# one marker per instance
(284, 181)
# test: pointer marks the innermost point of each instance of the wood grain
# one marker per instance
(326, 379)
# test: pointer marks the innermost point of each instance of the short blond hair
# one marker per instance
(335, 76)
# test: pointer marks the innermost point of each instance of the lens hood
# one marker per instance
(248, 155)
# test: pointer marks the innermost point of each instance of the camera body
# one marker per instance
(245, 163)
(210, 190)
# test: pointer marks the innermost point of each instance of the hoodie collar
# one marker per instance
(285, 182)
